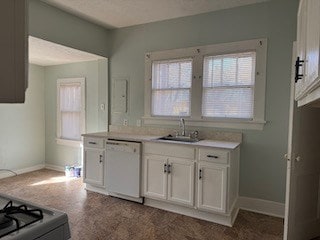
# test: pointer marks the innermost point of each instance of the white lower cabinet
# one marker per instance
(94, 162)
(181, 181)
(203, 178)
(155, 177)
(212, 187)
(170, 179)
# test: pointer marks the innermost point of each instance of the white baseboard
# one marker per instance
(21, 171)
(266, 207)
(55, 167)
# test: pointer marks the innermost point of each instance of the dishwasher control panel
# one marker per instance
(121, 146)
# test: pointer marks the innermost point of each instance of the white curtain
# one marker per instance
(70, 111)
(171, 84)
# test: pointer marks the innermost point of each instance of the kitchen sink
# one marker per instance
(179, 138)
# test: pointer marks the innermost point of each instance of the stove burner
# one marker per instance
(20, 216)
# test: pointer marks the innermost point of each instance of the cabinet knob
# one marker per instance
(165, 168)
(200, 173)
(101, 159)
(298, 159)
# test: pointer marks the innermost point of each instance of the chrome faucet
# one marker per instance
(182, 126)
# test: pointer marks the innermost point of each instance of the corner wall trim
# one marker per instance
(266, 207)
(55, 167)
(21, 171)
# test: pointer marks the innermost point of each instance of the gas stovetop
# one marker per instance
(13, 218)
(23, 220)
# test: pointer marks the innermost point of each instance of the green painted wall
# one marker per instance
(22, 138)
(262, 173)
(49, 23)
(95, 73)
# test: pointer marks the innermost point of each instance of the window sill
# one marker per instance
(70, 143)
(228, 123)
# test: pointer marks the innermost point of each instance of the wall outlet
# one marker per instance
(138, 123)
(125, 122)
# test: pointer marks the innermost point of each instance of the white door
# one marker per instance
(302, 216)
(155, 176)
(93, 160)
(212, 187)
(181, 181)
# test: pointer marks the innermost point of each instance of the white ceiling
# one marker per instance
(124, 13)
(46, 53)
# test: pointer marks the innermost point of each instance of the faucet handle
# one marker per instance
(194, 134)
(176, 133)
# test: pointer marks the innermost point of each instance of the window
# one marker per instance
(70, 110)
(221, 85)
(171, 85)
(228, 85)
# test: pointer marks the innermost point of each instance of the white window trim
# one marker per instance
(197, 53)
(67, 142)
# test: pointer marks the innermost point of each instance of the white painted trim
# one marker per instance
(70, 143)
(21, 171)
(55, 167)
(266, 207)
(197, 53)
(233, 124)
(223, 219)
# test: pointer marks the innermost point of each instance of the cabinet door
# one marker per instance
(181, 181)
(301, 46)
(94, 162)
(312, 42)
(155, 176)
(308, 46)
(212, 187)
(14, 50)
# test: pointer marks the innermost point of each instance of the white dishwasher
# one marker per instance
(123, 169)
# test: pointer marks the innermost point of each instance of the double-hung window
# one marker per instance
(171, 87)
(70, 110)
(221, 85)
(228, 86)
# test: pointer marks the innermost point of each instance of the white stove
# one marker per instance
(21, 220)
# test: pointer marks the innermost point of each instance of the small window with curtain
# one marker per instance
(70, 109)
(228, 86)
(171, 87)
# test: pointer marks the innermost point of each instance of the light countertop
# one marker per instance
(154, 138)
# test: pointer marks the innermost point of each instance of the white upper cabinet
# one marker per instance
(14, 50)
(308, 50)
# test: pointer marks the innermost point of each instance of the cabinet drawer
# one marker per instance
(172, 150)
(94, 142)
(214, 155)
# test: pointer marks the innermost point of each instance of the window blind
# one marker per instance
(70, 111)
(171, 86)
(228, 85)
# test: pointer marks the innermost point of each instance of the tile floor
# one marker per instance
(95, 216)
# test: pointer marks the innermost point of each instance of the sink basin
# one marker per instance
(179, 138)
